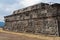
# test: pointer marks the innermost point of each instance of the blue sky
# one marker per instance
(8, 6)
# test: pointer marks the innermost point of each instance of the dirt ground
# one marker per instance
(6, 36)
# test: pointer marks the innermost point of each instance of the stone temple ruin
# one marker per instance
(42, 18)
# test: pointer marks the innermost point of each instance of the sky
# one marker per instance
(8, 6)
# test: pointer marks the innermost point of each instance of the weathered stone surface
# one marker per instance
(41, 18)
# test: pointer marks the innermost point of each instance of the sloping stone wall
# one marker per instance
(39, 19)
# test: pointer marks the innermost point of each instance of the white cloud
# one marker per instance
(30, 2)
(1, 19)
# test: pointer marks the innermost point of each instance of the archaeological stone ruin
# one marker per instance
(42, 18)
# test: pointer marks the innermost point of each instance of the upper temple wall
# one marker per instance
(50, 9)
(37, 6)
